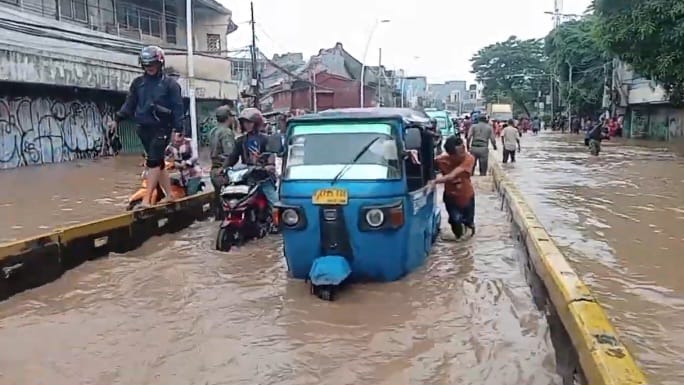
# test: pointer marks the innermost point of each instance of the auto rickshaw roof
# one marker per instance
(408, 115)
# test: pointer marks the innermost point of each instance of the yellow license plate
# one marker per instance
(330, 196)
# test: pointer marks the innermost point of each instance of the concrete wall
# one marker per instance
(660, 122)
(54, 125)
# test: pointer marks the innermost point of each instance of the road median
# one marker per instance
(602, 359)
(34, 261)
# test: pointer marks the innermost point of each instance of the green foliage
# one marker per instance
(648, 35)
(573, 45)
(513, 70)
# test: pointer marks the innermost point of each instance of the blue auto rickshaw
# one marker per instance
(354, 202)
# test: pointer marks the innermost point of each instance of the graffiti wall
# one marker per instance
(41, 129)
(656, 122)
(206, 120)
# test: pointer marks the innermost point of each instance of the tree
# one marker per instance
(513, 70)
(573, 45)
(649, 36)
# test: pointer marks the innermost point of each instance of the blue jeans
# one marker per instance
(268, 187)
(460, 215)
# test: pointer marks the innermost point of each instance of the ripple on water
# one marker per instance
(177, 312)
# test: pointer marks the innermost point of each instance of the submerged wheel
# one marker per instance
(227, 238)
(326, 294)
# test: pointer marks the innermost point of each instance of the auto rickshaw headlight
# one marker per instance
(290, 217)
(375, 217)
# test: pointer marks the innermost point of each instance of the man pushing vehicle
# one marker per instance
(456, 167)
(155, 103)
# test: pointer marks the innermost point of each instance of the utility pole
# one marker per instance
(191, 76)
(255, 75)
(569, 93)
(380, 78)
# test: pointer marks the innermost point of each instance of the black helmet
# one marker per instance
(151, 54)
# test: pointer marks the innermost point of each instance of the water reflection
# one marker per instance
(619, 219)
(177, 312)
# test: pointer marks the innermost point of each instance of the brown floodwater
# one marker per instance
(619, 217)
(177, 312)
(38, 199)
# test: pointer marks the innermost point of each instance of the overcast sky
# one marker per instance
(435, 38)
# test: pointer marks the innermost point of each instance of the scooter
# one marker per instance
(178, 188)
(247, 214)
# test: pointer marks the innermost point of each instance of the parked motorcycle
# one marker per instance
(247, 214)
(178, 188)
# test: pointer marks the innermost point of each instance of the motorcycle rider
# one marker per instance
(186, 160)
(154, 101)
(250, 147)
(222, 144)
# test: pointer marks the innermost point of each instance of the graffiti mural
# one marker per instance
(206, 120)
(42, 130)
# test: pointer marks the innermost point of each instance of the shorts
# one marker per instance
(460, 215)
(154, 141)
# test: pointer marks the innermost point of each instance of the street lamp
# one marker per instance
(365, 54)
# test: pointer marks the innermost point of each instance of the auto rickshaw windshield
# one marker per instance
(320, 151)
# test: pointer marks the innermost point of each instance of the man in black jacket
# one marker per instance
(154, 101)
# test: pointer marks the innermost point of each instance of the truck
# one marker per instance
(500, 112)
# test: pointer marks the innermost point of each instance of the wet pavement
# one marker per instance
(43, 198)
(620, 219)
(177, 312)
(38, 199)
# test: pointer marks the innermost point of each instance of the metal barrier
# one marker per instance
(32, 262)
(602, 359)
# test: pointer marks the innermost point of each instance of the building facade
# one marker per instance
(330, 79)
(648, 114)
(66, 65)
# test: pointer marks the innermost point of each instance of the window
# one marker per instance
(213, 42)
(322, 151)
(131, 16)
(240, 69)
(74, 10)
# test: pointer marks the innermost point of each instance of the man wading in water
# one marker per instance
(456, 167)
(479, 137)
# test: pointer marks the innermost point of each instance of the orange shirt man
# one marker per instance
(456, 167)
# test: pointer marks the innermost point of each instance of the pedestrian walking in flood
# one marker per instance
(456, 167)
(510, 141)
(222, 144)
(154, 101)
(481, 134)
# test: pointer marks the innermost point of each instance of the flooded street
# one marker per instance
(620, 219)
(177, 312)
(62, 194)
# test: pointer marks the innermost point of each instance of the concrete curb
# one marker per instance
(35, 261)
(603, 359)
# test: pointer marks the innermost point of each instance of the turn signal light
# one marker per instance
(396, 216)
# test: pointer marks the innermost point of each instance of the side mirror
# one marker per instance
(273, 144)
(413, 139)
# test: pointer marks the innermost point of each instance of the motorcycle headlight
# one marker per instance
(232, 203)
(375, 217)
(290, 217)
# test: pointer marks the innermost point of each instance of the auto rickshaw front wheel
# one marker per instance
(324, 292)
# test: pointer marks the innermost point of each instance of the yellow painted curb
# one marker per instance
(31, 262)
(603, 358)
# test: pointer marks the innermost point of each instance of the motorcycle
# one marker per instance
(247, 214)
(178, 187)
